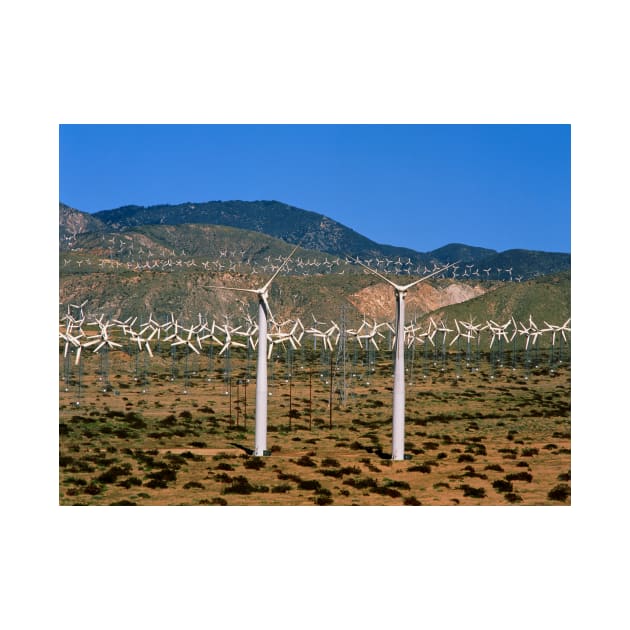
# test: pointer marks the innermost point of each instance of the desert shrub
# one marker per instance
(218, 501)
(442, 455)
(477, 449)
(411, 501)
(110, 414)
(529, 452)
(124, 502)
(239, 485)
(564, 476)
(512, 497)
(111, 474)
(502, 485)
(331, 462)
(470, 491)
(135, 420)
(193, 484)
(390, 492)
(92, 488)
(496, 467)
(550, 447)
(350, 470)
(220, 456)
(198, 444)
(175, 460)
(169, 421)
(360, 482)
(356, 446)
(281, 488)
(391, 483)
(161, 478)
(519, 476)
(305, 460)
(465, 457)
(130, 481)
(431, 446)
(288, 477)
(192, 456)
(77, 481)
(254, 463)
(423, 468)
(320, 499)
(223, 478)
(186, 415)
(309, 484)
(559, 493)
(64, 429)
(522, 465)
(564, 435)
(65, 460)
(224, 466)
(331, 472)
(471, 472)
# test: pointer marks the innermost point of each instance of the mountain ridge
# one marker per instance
(295, 225)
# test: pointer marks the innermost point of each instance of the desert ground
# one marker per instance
(179, 430)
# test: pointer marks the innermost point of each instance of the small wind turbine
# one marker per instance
(264, 313)
(398, 407)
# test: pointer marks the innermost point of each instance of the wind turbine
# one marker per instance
(398, 407)
(264, 313)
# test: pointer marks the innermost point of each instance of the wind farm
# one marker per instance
(455, 390)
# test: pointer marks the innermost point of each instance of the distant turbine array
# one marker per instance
(101, 335)
(125, 255)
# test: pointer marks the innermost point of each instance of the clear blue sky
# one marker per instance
(417, 186)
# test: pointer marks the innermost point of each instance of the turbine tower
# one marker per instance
(398, 407)
(264, 313)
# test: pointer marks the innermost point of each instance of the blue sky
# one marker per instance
(417, 186)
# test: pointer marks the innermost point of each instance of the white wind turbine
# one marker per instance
(398, 407)
(264, 313)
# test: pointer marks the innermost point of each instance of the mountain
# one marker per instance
(162, 259)
(73, 222)
(544, 297)
(465, 253)
(312, 230)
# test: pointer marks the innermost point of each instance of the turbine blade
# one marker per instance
(286, 260)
